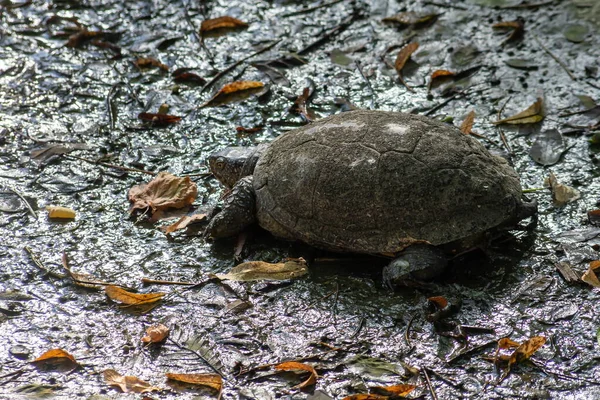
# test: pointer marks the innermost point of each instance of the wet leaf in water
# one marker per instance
(148, 62)
(594, 217)
(296, 366)
(521, 63)
(464, 56)
(56, 357)
(77, 40)
(439, 76)
(235, 91)
(590, 276)
(534, 113)
(213, 381)
(561, 194)
(155, 334)
(548, 147)
(373, 366)
(128, 384)
(467, 126)
(396, 390)
(259, 270)
(526, 349)
(163, 192)
(183, 222)
(366, 397)
(159, 119)
(576, 33)
(122, 296)
(338, 57)
(60, 212)
(182, 75)
(50, 151)
(516, 28)
(401, 59)
(221, 23)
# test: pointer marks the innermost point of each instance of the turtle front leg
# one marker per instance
(239, 211)
(416, 264)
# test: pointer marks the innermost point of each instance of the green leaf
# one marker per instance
(576, 33)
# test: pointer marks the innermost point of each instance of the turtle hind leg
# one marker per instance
(418, 263)
(238, 212)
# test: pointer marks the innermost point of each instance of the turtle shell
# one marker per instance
(377, 181)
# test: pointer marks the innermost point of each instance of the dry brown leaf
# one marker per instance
(561, 194)
(526, 349)
(60, 212)
(438, 76)
(147, 62)
(594, 217)
(397, 390)
(507, 343)
(534, 113)
(221, 23)
(440, 301)
(56, 356)
(78, 39)
(295, 366)
(366, 397)
(159, 119)
(590, 276)
(183, 222)
(156, 334)
(120, 295)
(211, 380)
(467, 126)
(260, 270)
(401, 59)
(83, 280)
(517, 28)
(235, 91)
(128, 384)
(164, 191)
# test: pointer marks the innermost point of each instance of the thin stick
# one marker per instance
(232, 66)
(502, 136)
(142, 171)
(407, 332)
(40, 265)
(148, 281)
(442, 104)
(360, 71)
(562, 64)
(26, 202)
(431, 389)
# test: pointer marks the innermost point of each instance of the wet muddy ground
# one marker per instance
(65, 103)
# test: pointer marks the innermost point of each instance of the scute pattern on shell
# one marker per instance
(376, 181)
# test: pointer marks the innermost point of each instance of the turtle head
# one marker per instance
(231, 164)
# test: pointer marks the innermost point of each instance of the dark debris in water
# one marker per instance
(75, 77)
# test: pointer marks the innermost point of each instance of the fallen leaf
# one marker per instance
(396, 390)
(439, 301)
(561, 194)
(295, 366)
(159, 119)
(128, 384)
(183, 222)
(56, 356)
(438, 76)
(60, 212)
(120, 295)
(163, 192)
(401, 59)
(82, 280)
(155, 334)
(548, 147)
(235, 91)
(576, 33)
(301, 103)
(221, 23)
(181, 75)
(50, 151)
(516, 27)
(531, 115)
(78, 39)
(521, 63)
(366, 397)
(147, 62)
(594, 217)
(211, 380)
(590, 276)
(260, 270)
(467, 126)
(526, 349)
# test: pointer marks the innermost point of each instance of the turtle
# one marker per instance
(373, 182)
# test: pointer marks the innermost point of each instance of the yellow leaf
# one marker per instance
(397, 390)
(55, 356)
(211, 380)
(128, 384)
(260, 270)
(526, 349)
(590, 276)
(123, 296)
(235, 91)
(221, 23)
(156, 334)
(295, 366)
(467, 125)
(60, 212)
(533, 114)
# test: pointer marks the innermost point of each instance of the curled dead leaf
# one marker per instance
(210, 380)
(516, 28)
(148, 62)
(56, 357)
(259, 270)
(128, 384)
(531, 115)
(183, 222)
(155, 334)
(296, 366)
(60, 212)
(561, 194)
(590, 277)
(225, 22)
(163, 192)
(122, 296)
(401, 59)
(235, 91)
(467, 125)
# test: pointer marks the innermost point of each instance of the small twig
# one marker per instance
(235, 64)
(431, 389)
(502, 136)
(142, 171)
(444, 103)
(12, 375)
(559, 61)
(148, 281)
(407, 332)
(307, 10)
(525, 6)
(114, 90)
(338, 29)
(358, 67)
(40, 265)
(26, 203)
(443, 5)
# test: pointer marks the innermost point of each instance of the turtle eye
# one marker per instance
(220, 163)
